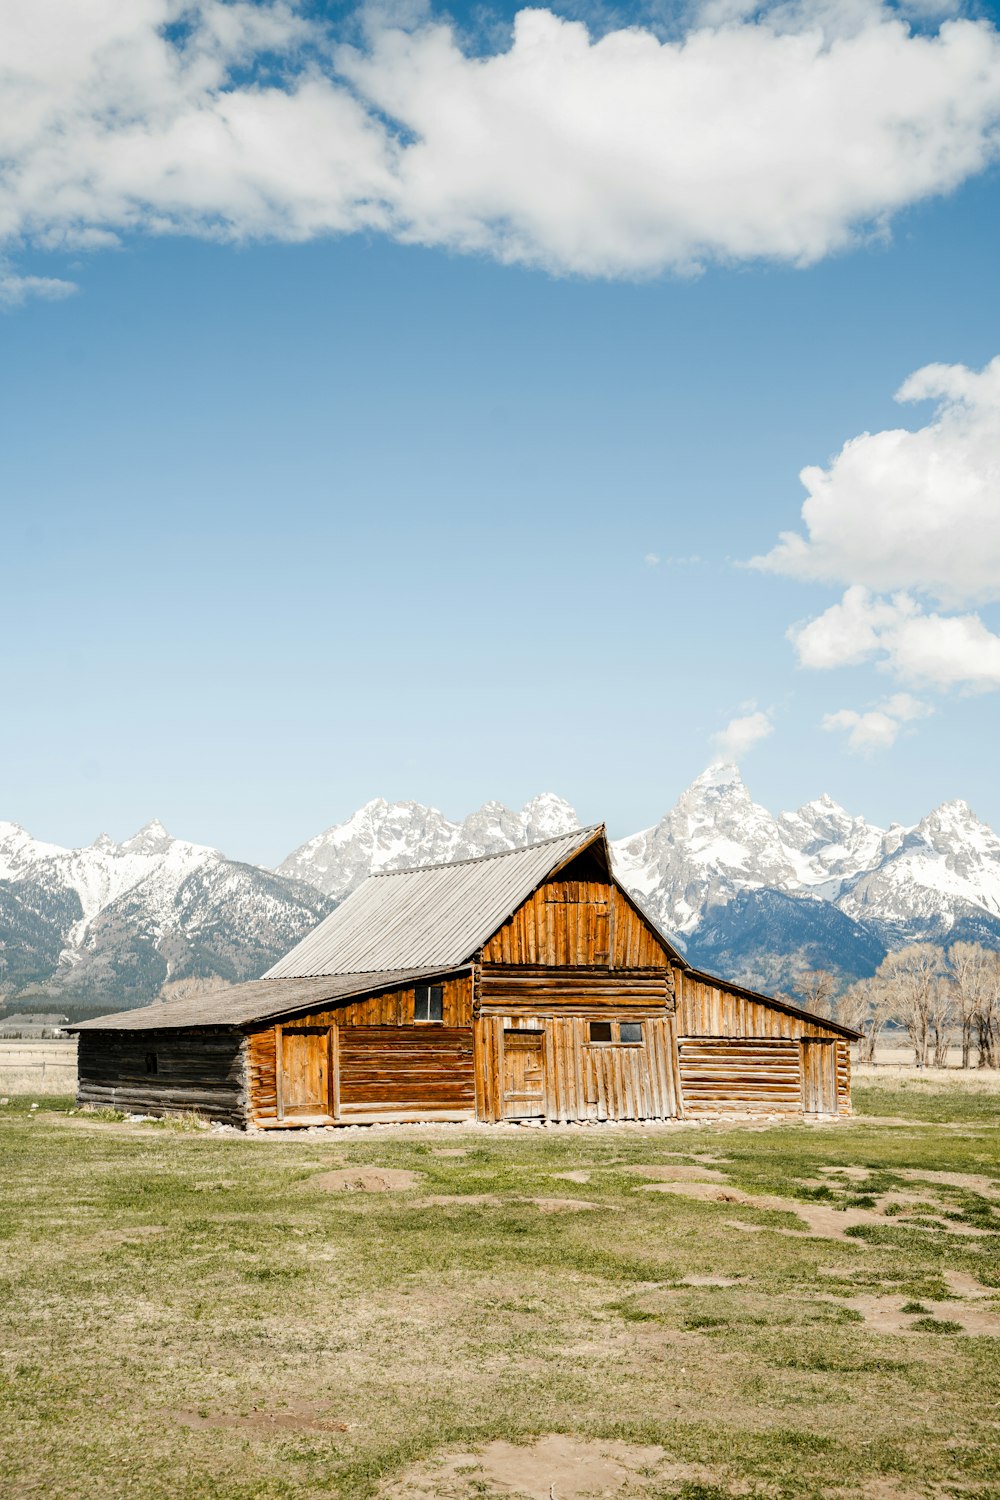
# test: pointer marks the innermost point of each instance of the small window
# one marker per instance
(151, 1062)
(631, 1031)
(600, 1031)
(428, 1002)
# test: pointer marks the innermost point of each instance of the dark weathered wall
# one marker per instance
(195, 1070)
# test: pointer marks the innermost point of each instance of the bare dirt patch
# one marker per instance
(709, 1281)
(678, 1172)
(567, 1467)
(366, 1180)
(448, 1151)
(497, 1200)
(886, 1314)
(973, 1182)
(579, 1177)
(261, 1422)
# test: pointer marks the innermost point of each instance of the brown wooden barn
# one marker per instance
(525, 985)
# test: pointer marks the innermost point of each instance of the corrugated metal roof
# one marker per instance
(435, 914)
(257, 1000)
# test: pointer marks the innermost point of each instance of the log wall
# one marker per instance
(195, 1070)
(741, 1055)
(583, 1080)
(386, 1063)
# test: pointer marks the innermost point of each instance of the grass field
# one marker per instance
(191, 1315)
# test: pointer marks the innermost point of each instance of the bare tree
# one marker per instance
(817, 989)
(865, 1007)
(920, 997)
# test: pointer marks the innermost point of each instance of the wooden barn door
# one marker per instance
(819, 1076)
(523, 1074)
(306, 1072)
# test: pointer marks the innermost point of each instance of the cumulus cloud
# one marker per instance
(943, 651)
(780, 133)
(877, 728)
(741, 735)
(910, 510)
(908, 520)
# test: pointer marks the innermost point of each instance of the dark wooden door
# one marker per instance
(523, 1074)
(305, 1075)
(819, 1077)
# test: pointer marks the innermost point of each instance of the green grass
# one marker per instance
(187, 1310)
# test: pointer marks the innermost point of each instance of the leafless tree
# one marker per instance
(920, 997)
(865, 1007)
(817, 990)
(975, 972)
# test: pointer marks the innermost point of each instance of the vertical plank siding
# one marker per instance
(195, 1070)
(584, 923)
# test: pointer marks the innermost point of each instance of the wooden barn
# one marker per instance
(525, 985)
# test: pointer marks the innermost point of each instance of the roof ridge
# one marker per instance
(475, 859)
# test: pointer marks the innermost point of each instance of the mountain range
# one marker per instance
(748, 894)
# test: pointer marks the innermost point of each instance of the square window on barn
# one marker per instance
(631, 1031)
(151, 1062)
(600, 1031)
(428, 1002)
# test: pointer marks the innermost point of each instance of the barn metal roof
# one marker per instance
(256, 1000)
(432, 915)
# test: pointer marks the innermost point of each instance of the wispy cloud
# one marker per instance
(742, 734)
(877, 728)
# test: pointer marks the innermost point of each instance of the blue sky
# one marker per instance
(291, 525)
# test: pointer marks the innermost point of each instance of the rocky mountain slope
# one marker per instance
(746, 893)
(112, 922)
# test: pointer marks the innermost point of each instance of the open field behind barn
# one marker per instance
(667, 1311)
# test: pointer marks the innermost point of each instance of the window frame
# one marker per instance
(428, 993)
(615, 1039)
(152, 1063)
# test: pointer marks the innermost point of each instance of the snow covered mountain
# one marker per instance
(115, 921)
(390, 835)
(744, 892)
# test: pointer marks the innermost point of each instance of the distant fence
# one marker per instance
(43, 1067)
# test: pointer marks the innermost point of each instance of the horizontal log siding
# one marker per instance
(584, 1080)
(571, 991)
(391, 1014)
(195, 1070)
(740, 1075)
(420, 1068)
(577, 923)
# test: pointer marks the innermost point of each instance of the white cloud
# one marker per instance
(911, 510)
(942, 651)
(877, 728)
(742, 734)
(15, 289)
(651, 559)
(783, 134)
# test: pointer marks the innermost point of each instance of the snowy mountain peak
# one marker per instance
(547, 815)
(390, 835)
(104, 844)
(722, 775)
(152, 838)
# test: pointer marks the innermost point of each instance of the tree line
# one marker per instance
(938, 997)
